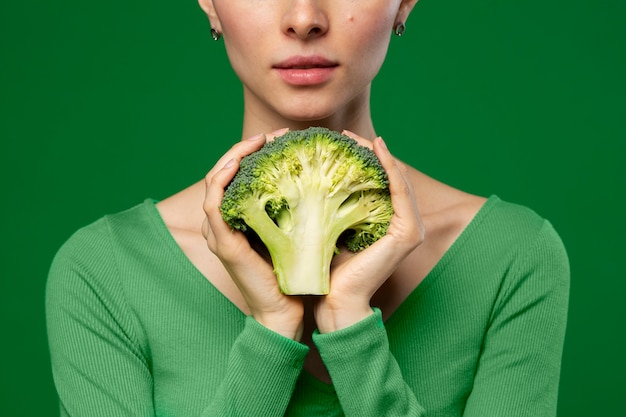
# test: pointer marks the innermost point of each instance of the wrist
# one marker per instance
(291, 328)
(332, 318)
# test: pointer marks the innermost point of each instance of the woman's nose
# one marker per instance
(305, 19)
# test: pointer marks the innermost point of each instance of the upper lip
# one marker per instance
(305, 62)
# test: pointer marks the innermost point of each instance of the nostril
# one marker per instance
(305, 19)
(314, 30)
(305, 26)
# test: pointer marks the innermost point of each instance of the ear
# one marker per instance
(209, 9)
(403, 11)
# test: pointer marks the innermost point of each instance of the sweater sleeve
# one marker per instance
(263, 367)
(365, 374)
(519, 368)
(101, 361)
(99, 366)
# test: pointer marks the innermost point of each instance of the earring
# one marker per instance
(398, 29)
(215, 35)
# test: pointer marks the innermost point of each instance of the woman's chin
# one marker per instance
(305, 114)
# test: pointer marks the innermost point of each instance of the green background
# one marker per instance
(104, 104)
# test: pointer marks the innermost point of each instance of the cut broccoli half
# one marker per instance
(304, 194)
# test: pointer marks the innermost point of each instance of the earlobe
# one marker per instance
(209, 9)
(403, 11)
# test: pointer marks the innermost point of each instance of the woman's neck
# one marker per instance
(356, 117)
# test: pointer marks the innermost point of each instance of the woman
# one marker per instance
(162, 310)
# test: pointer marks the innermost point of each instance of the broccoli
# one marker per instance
(304, 194)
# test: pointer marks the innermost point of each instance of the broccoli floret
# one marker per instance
(304, 194)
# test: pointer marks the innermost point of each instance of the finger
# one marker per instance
(211, 241)
(239, 151)
(271, 136)
(242, 149)
(360, 140)
(398, 182)
(215, 184)
(205, 228)
(406, 220)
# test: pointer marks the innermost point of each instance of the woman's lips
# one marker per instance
(305, 70)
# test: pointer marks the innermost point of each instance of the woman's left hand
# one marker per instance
(356, 277)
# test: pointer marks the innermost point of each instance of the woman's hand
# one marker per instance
(356, 277)
(253, 274)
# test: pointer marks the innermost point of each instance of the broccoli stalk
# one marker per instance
(304, 194)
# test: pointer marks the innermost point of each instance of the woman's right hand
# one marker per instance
(253, 274)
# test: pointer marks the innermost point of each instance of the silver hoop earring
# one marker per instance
(215, 35)
(398, 29)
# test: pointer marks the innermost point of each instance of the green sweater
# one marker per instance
(136, 330)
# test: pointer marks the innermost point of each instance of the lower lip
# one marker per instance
(310, 76)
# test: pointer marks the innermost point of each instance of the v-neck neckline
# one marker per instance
(161, 229)
(449, 255)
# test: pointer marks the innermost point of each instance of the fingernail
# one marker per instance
(348, 133)
(280, 131)
(382, 142)
(229, 163)
(256, 137)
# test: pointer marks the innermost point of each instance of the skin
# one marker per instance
(258, 34)
(429, 215)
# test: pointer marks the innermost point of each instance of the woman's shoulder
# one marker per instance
(90, 276)
(517, 225)
(135, 217)
(455, 208)
(451, 214)
(506, 238)
(95, 245)
(183, 211)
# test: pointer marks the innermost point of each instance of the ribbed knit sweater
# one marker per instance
(136, 330)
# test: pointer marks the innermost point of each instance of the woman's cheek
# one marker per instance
(370, 29)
